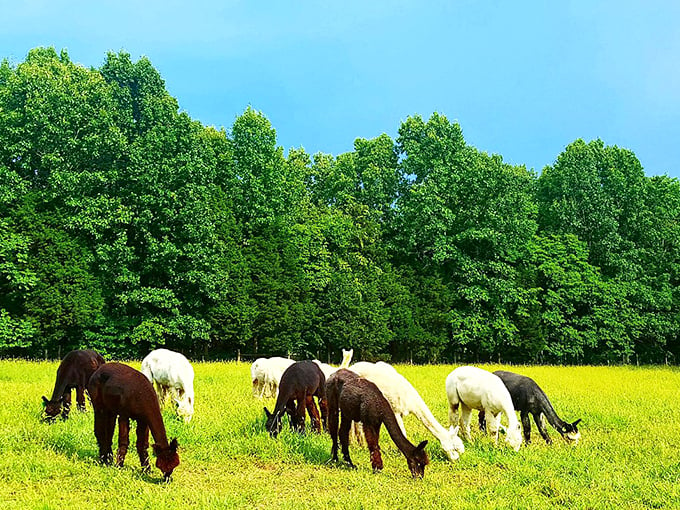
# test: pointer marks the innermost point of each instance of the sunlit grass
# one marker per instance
(628, 456)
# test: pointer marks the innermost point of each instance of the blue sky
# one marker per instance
(523, 79)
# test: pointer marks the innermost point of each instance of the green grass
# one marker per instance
(628, 456)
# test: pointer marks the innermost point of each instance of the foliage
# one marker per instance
(127, 225)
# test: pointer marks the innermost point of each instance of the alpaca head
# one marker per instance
(514, 436)
(273, 424)
(346, 358)
(166, 458)
(52, 408)
(570, 432)
(452, 444)
(185, 408)
(418, 460)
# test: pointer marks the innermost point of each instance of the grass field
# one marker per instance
(629, 455)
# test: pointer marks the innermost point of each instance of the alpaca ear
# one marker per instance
(422, 445)
(173, 445)
(454, 430)
(267, 413)
(45, 401)
(576, 423)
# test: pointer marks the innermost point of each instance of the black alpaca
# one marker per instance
(301, 382)
(360, 400)
(529, 398)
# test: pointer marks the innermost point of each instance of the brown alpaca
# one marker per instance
(74, 371)
(360, 400)
(301, 382)
(118, 390)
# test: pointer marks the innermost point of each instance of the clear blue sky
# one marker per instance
(523, 79)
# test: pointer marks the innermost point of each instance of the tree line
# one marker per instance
(127, 225)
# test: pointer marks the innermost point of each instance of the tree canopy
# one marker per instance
(126, 225)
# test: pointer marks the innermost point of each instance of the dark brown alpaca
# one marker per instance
(74, 371)
(301, 382)
(120, 391)
(360, 400)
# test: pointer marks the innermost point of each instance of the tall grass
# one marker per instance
(628, 456)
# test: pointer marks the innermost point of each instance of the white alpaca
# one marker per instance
(266, 374)
(470, 388)
(171, 372)
(328, 369)
(404, 400)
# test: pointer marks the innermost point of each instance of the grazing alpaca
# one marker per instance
(266, 374)
(118, 390)
(360, 400)
(74, 371)
(301, 382)
(171, 372)
(473, 388)
(328, 369)
(405, 400)
(529, 398)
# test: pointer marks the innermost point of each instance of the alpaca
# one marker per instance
(473, 388)
(266, 373)
(74, 371)
(328, 369)
(301, 382)
(360, 400)
(405, 400)
(529, 398)
(118, 390)
(171, 372)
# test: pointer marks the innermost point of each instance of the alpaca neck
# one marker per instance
(550, 414)
(282, 400)
(509, 411)
(59, 388)
(396, 434)
(420, 410)
(157, 428)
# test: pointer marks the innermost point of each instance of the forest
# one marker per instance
(126, 225)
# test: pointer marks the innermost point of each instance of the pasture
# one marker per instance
(628, 456)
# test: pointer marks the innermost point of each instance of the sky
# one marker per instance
(523, 79)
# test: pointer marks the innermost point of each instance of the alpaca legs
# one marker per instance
(313, 413)
(357, 432)
(540, 423)
(526, 426)
(453, 413)
(300, 414)
(323, 407)
(292, 414)
(80, 398)
(464, 420)
(333, 430)
(65, 404)
(481, 419)
(345, 425)
(143, 444)
(372, 441)
(123, 439)
(104, 425)
(160, 394)
(493, 425)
